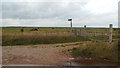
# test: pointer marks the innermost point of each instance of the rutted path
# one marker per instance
(50, 54)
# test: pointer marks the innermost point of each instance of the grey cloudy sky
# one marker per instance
(93, 13)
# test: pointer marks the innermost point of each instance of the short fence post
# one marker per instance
(110, 33)
(80, 32)
(95, 32)
(85, 30)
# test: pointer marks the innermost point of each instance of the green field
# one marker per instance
(14, 36)
(27, 29)
(50, 35)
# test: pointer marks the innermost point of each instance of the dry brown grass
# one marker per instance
(39, 38)
(97, 51)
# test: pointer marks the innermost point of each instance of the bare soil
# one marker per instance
(48, 54)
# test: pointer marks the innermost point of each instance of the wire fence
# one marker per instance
(93, 35)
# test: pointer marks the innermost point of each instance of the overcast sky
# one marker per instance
(93, 13)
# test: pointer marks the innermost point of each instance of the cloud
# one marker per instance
(44, 0)
(36, 22)
(89, 12)
(101, 7)
(41, 10)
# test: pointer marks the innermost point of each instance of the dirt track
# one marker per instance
(36, 54)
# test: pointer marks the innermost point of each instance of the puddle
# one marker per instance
(96, 63)
(69, 64)
(73, 63)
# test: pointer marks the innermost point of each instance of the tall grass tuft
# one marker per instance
(97, 51)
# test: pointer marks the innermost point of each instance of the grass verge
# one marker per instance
(101, 51)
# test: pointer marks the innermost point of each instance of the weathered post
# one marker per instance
(71, 24)
(84, 30)
(84, 27)
(110, 33)
(95, 32)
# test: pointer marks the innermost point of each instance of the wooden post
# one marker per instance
(83, 32)
(80, 32)
(71, 24)
(110, 33)
(95, 33)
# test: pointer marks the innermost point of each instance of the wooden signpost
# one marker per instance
(70, 23)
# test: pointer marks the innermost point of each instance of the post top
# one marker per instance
(111, 24)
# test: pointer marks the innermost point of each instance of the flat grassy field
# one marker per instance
(14, 36)
(50, 35)
(40, 29)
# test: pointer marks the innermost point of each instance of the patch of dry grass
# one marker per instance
(97, 51)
